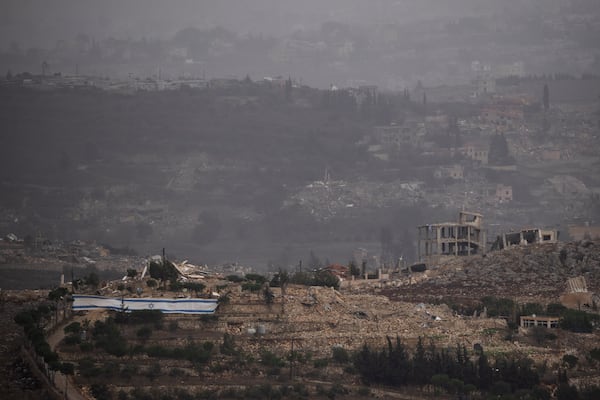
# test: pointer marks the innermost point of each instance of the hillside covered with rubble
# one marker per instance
(535, 272)
(303, 341)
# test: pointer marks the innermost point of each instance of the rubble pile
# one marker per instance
(327, 199)
(319, 318)
(534, 271)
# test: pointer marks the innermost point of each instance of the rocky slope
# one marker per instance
(534, 272)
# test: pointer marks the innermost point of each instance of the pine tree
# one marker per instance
(421, 371)
(484, 373)
(498, 153)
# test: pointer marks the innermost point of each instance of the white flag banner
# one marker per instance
(169, 306)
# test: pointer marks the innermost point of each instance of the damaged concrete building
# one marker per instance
(525, 237)
(463, 238)
(528, 321)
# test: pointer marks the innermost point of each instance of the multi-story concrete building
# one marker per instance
(463, 238)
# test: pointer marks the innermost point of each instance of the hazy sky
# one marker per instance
(42, 22)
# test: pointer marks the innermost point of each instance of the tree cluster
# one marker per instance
(321, 277)
(163, 271)
(32, 321)
(453, 370)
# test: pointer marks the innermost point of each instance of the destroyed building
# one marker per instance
(463, 238)
(528, 321)
(525, 237)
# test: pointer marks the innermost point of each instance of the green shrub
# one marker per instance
(501, 388)
(349, 369)
(228, 345)
(590, 392)
(153, 371)
(92, 279)
(320, 389)
(595, 353)
(256, 278)
(178, 372)
(209, 318)
(108, 337)
(140, 394)
(229, 393)
(218, 368)
(144, 333)
(498, 306)
(532, 308)
(101, 391)
(86, 346)
(577, 321)
(73, 327)
(270, 360)
(145, 317)
(234, 278)
(72, 339)
(340, 355)
(137, 349)
(87, 368)
(194, 286)
(110, 369)
(570, 360)
(301, 389)
(251, 286)
(440, 381)
(129, 370)
(321, 363)
(337, 389)
(196, 354)
(566, 392)
(555, 309)
(326, 278)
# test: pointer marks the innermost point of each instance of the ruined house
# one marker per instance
(525, 237)
(409, 133)
(455, 172)
(463, 238)
(504, 193)
(475, 150)
(528, 321)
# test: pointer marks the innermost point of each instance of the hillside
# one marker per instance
(201, 172)
(535, 273)
(303, 341)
